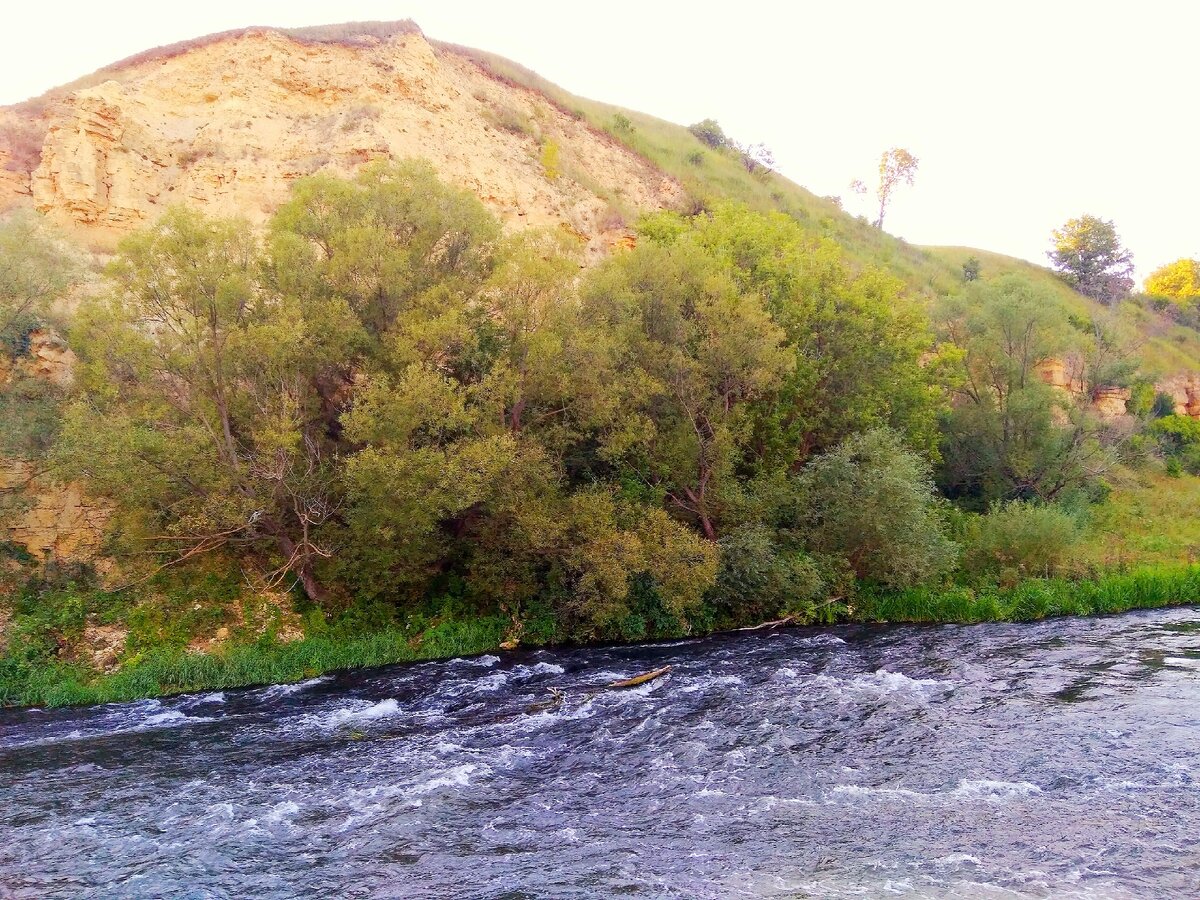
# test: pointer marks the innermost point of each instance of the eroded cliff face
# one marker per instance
(229, 125)
(47, 519)
(1067, 375)
(50, 520)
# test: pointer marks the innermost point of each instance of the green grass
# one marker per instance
(1037, 598)
(172, 671)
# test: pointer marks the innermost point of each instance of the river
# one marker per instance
(1059, 759)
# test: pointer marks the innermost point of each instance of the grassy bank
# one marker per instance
(268, 661)
(167, 671)
(1037, 598)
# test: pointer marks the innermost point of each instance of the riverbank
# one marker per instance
(164, 671)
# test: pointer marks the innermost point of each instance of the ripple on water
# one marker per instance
(848, 763)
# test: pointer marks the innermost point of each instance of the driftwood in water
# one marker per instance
(640, 679)
(786, 620)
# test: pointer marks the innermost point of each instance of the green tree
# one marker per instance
(710, 133)
(381, 241)
(36, 268)
(1088, 254)
(861, 349)
(1179, 281)
(1010, 435)
(970, 269)
(200, 419)
(870, 502)
(695, 354)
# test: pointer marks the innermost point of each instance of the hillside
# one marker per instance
(227, 123)
(467, 395)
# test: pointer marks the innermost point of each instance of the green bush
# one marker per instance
(871, 503)
(758, 580)
(1023, 537)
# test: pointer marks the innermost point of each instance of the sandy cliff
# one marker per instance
(230, 123)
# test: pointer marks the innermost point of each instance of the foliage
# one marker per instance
(710, 133)
(1035, 599)
(971, 268)
(201, 416)
(550, 161)
(1088, 254)
(896, 167)
(1179, 281)
(36, 268)
(871, 502)
(1020, 539)
(1010, 435)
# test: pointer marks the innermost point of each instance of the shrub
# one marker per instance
(970, 269)
(1021, 537)
(871, 502)
(759, 580)
(549, 158)
(696, 158)
(621, 123)
(508, 119)
(710, 133)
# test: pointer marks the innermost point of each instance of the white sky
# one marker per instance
(1023, 114)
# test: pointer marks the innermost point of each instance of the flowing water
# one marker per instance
(1052, 760)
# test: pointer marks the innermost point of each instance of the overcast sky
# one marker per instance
(1023, 114)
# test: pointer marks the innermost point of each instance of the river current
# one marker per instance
(1060, 759)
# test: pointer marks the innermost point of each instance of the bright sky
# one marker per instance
(1023, 114)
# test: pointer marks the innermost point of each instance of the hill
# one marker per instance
(486, 400)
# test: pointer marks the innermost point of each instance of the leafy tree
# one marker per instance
(970, 269)
(36, 268)
(710, 133)
(896, 167)
(862, 350)
(1009, 435)
(201, 419)
(382, 240)
(695, 351)
(871, 502)
(1178, 281)
(1088, 254)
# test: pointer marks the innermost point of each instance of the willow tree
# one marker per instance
(695, 353)
(200, 418)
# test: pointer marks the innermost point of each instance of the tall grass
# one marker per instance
(1037, 598)
(171, 671)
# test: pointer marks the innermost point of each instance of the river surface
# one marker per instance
(1053, 760)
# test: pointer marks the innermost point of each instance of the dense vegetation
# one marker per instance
(436, 438)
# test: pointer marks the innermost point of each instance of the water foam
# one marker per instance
(362, 713)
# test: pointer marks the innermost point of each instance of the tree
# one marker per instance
(1178, 281)
(970, 269)
(861, 348)
(1009, 435)
(896, 167)
(382, 240)
(201, 418)
(757, 159)
(710, 133)
(695, 351)
(36, 268)
(1088, 255)
(870, 502)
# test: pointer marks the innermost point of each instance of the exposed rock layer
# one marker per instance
(229, 125)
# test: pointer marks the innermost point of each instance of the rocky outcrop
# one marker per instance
(229, 124)
(1184, 390)
(51, 521)
(1109, 402)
